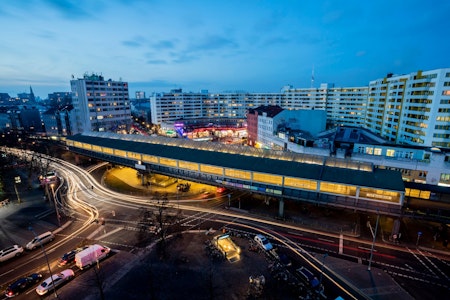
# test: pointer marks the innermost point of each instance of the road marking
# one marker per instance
(91, 236)
(12, 270)
(326, 240)
(295, 233)
(422, 262)
(368, 249)
(109, 233)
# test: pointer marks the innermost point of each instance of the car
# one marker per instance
(221, 189)
(69, 257)
(263, 242)
(284, 259)
(308, 276)
(54, 281)
(40, 240)
(22, 284)
(10, 252)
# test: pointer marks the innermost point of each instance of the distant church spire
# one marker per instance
(31, 94)
(312, 77)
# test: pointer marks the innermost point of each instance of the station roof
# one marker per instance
(299, 166)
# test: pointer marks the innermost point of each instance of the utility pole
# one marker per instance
(46, 259)
(373, 242)
(56, 206)
(17, 180)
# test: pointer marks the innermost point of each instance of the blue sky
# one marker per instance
(256, 46)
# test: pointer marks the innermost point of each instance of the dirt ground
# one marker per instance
(190, 271)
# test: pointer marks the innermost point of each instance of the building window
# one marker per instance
(377, 151)
(369, 150)
(390, 152)
(445, 177)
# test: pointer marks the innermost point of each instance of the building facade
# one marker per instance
(411, 109)
(100, 105)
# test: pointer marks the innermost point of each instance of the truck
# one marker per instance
(228, 248)
(91, 255)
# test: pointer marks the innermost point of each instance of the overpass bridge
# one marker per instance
(324, 181)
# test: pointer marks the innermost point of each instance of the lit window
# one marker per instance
(390, 152)
(369, 150)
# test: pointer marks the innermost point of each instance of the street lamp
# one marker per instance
(56, 206)
(46, 259)
(17, 180)
(373, 242)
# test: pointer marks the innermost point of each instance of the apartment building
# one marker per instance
(411, 109)
(344, 106)
(100, 105)
(175, 105)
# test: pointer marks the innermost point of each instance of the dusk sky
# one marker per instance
(256, 46)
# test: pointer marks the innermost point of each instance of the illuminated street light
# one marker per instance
(17, 180)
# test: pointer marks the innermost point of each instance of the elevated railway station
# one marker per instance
(324, 181)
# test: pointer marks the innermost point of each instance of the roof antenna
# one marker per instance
(312, 77)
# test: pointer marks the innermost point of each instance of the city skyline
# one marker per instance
(256, 46)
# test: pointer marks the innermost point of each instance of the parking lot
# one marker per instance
(189, 269)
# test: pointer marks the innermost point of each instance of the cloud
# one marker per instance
(132, 44)
(211, 42)
(183, 57)
(164, 44)
(156, 62)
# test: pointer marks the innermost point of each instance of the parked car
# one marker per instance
(308, 277)
(22, 284)
(284, 259)
(263, 242)
(69, 257)
(10, 252)
(58, 279)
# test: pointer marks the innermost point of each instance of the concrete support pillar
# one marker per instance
(281, 208)
(143, 183)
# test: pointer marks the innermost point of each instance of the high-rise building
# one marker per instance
(100, 105)
(411, 109)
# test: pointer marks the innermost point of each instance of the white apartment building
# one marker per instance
(100, 105)
(167, 107)
(346, 106)
(411, 109)
(304, 98)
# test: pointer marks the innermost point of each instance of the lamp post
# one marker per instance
(56, 206)
(46, 259)
(373, 242)
(17, 180)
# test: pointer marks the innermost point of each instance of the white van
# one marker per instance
(42, 238)
(91, 255)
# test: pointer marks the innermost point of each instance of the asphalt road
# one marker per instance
(16, 218)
